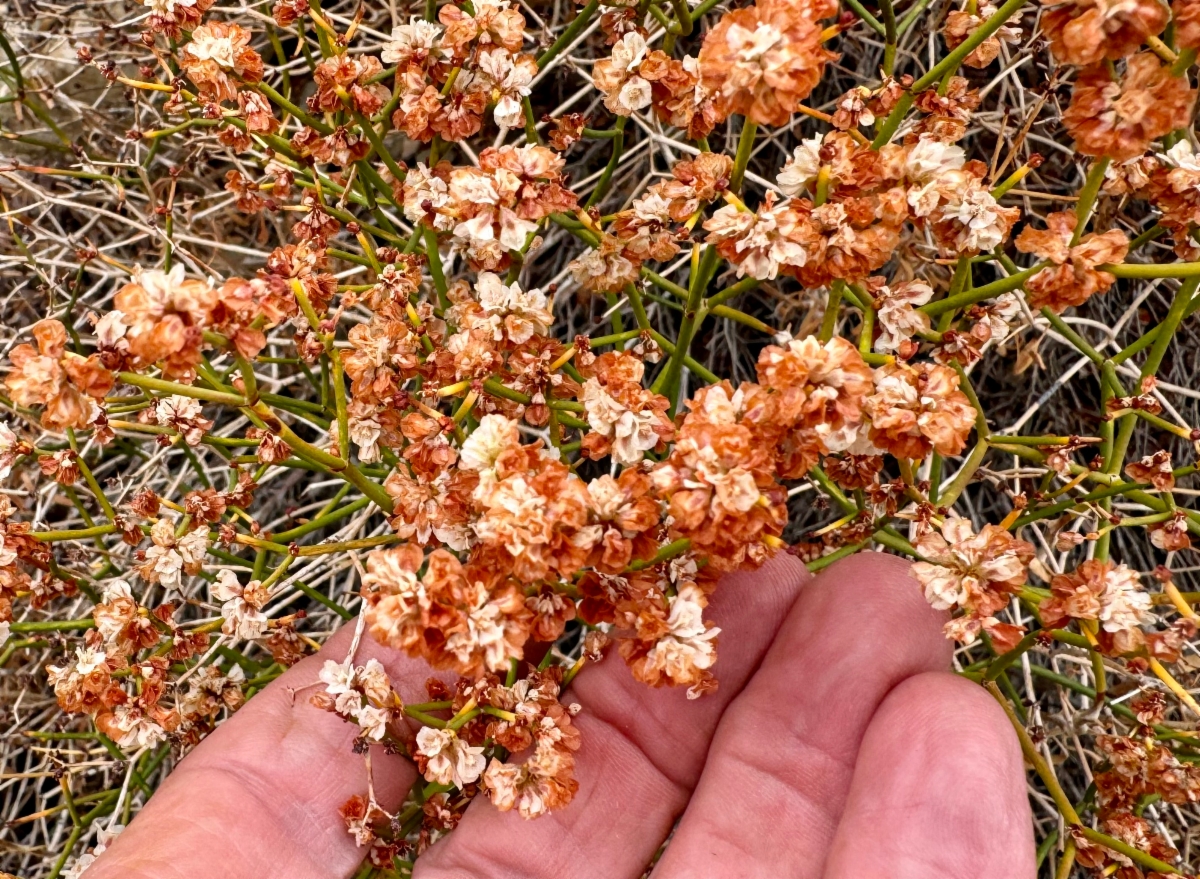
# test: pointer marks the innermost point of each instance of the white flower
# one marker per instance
(488, 194)
(1124, 605)
(365, 433)
(929, 158)
(373, 722)
(211, 48)
(242, 617)
(338, 678)
(804, 165)
(450, 759)
(131, 729)
(163, 565)
(424, 192)
(897, 315)
(192, 547)
(759, 238)
(962, 563)
(979, 213)
(88, 660)
(103, 840)
(688, 644)
(174, 408)
(512, 312)
(348, 685)
(652, 208)
(633, 93)
(511, 80)
(494, 435)
(111, 329)
(416, 37)
(8, 454)
(632, 432)
(629, 52)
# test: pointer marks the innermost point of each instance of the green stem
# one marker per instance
(568, 36)
(744, 149)
(947, 65)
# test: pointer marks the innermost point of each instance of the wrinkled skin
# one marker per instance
(838, 745)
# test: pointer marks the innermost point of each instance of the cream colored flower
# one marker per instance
(241, 605)
(897, 316)
(494, 435)
(1124, 605)
(511, 312)
(450, 760)
(417, 39)
(632, 432)
(689, 646)
(617, 77)
(963, 565)
(802, 167)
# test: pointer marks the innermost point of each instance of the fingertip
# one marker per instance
(938, 789)
(941, 710)
(894, 609)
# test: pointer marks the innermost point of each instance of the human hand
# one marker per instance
(838, 745)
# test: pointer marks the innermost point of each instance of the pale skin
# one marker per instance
(838, 745)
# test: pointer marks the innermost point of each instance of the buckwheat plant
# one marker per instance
(502, 330)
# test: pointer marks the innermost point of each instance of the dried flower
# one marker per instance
(1119, 120)
(976, 572)
(1075, 278)
(918, 408)
(761, 61)
(1090, 31)
(218, 53)
(444, 758)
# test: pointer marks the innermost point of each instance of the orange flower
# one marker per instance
(544, 783)
(218, 54)
(1103, 591)
(383, 355)
(494, 22)
(681, 648)
(719, 479)
(763, 60)
(531, 510)
(680, 98)
(1090, 31)
(960, 24)
(174, 17)
(1119, 120)
(1074, 278)
(818, 391)
(626, 419)
(167, 315)
(68, 385)
(1186, 18)
(468, 618)
(619, 76)
(918, 408)
(628, 514)
(1154, 469)
(351, 74)
(976, 572)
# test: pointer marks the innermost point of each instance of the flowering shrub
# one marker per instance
(505, 330)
